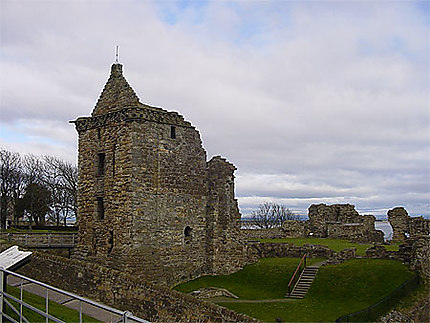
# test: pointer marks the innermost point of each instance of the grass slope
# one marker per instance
(334, 244)
(267, 279)
(337, 290)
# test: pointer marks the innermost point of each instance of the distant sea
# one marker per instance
(385, 227)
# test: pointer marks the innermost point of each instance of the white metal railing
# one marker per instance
(6, 298)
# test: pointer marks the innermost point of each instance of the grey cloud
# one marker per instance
(322, 101)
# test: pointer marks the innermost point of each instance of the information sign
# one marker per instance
(12, 257)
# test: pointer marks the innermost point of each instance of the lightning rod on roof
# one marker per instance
(117, 54)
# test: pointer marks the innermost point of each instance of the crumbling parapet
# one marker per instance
(225, 250)
(342, 221)
(405, 226)
(420, 258)
(295, 228)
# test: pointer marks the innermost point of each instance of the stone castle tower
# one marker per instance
(149, 203)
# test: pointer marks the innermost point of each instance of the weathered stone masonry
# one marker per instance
(149, 203)
(340, 221)
(124, 291)
(344, 222)
(405, 226)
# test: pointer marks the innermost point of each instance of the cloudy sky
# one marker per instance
(313, 101)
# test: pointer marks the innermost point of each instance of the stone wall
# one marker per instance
(267, 249)
(295, 228)
(255, 234)
(226, 252)
(289, 229)
(149, 203)
(342, 221)
(420, 258)
(126, 292)
(405, 226)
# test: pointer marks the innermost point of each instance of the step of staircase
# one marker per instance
(304, 282)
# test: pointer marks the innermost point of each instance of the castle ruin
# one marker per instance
(405, 226)
(342, 221)
(149, 203)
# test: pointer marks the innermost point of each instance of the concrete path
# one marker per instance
(230, 300)
(65, 300)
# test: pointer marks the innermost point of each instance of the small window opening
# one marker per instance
(98, 134)
(101, 164)
(187, 234)
(110, 241)
(173, 132)
(100, 208)
(113, 162)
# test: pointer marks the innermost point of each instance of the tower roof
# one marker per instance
(116, 94)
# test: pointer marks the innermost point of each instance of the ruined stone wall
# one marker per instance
(169, 202)
(295, 228)
(256, 234)
(405, 226)
(148, 202)
(226, 251)
(420, 259)
(279, 250)
(342, 221)
(126, 292)
(154, 189)
(98, 233)
(289, 229)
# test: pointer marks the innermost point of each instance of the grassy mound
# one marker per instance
(336, 291)
(267, 279)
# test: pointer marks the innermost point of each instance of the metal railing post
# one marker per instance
(120, 316)
(47, 305)
(20, 304)
(1, 294)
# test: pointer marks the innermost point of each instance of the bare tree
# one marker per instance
(10, 173)
(61, 177)
(271, 215)
(33, 168)
(22, 179)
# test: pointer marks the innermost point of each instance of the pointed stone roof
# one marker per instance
(116, 94)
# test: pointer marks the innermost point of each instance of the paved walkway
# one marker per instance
(70, 302)
(229, 300)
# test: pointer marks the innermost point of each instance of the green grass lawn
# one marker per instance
(336, 291)
(59, 311)
(334, 244)
(267, 279)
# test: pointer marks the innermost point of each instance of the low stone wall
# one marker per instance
(420, 256)
(256, 234)
(41, 240)
(268, 249)
(117, 289)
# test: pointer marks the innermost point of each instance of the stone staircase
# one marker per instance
(304, 282)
